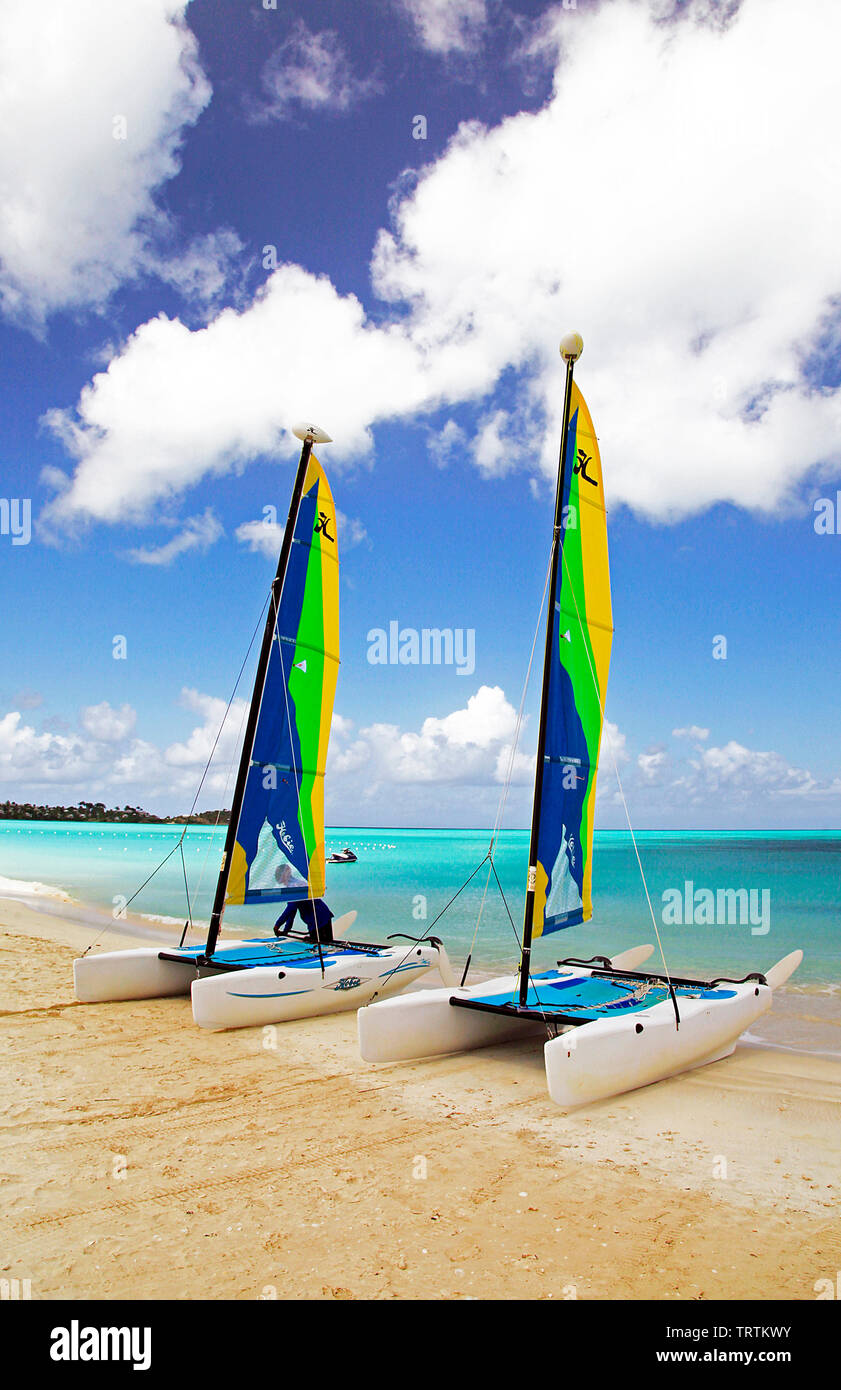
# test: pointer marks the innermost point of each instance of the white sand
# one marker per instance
(145, 1158)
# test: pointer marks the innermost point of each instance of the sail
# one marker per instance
(279, 850)
(580, 612)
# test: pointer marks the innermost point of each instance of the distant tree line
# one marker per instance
(98, 811)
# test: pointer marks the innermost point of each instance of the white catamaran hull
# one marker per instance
(138, 974)
(586, 1063)
(245, 998)
(252, 996)
(142, 973)
(614, 1055)
(427, 1025)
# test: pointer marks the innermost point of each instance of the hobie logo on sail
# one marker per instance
(321, 528)
(285, 838)
(584, 460)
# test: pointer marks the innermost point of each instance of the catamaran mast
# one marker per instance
(572, 347)
(310, 434)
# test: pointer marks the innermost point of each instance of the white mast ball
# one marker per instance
(312, 433)
(572, 346)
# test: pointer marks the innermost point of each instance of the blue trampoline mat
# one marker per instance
(259, 952)
(592, 996)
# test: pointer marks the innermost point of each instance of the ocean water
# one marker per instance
(404, 878)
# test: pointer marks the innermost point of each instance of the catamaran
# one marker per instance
(610, 1027)
(274, 846)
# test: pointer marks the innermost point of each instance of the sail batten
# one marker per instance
(305, 646)
(593, 622)
(290, 767)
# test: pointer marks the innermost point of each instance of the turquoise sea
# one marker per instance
(403, 874)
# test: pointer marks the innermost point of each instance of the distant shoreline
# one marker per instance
(96, 813)
(135, 815)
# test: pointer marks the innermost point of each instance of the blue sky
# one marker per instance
(626, 169)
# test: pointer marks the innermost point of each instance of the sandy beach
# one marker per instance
(144, 1158)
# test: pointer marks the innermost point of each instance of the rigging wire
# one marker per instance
(189, 921)
(505, 901)
(180, 841)
(275, 601)
(619, 784)
(295, 772)
(518, 726)
(225, 715)
(506, 786)
(461, 890)
(228, 775)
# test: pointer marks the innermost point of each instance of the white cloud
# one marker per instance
(464, 746)
(471, 748)
(493, 452)
(174, 405)
(678, 212)
(720, 781)
(104, 758)
(264, 537)
(690, 312)
(351, 531)
(77, 204)
(652, 764)
(519, 769)
(446, 444)
(487, 718)
(614, 745)
(207, 268)
(311, 71)
(370, 769)
(692, 731)
(613, 755)
(447, 26)
(32, 758)
(104, 722)
(198, 533)
(747, 774)
(196, 750)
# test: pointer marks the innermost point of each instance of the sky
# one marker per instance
(222, 217)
